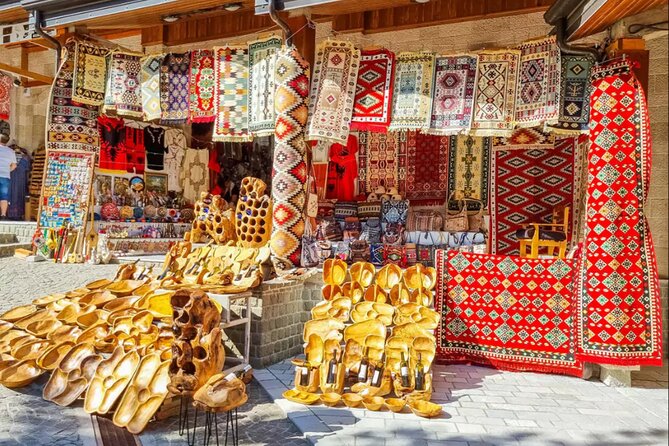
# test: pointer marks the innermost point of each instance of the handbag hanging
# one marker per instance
(310, 256)
(424, 221)
(395, 254)
(412, 253)
(394, 211)
(351, 229)
(393, 234)
(312, 195)
(371, 231)
(359, 251)
(329, 229)
(456, 221)
(376, 253)
(474, 216)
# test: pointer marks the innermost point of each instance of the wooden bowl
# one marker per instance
(20, 374)
(395, 404)
(424, 409)
(373, 402)
(300, 397)
(330, 399)
(18, 313)
(351, 399)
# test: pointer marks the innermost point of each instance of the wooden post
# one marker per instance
(635, 49)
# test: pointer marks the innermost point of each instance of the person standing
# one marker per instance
(7, 164)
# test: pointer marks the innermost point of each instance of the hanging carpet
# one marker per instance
(507, 312)
(453, 102)
(90, 73)
(124, 86)
(524, 138)
(262, 67)
(70, 125)
(231, 100)
(374, 91)
(174, 76)
(495, 93)
(378, 158)
(202, 86)
(412, 91)
(289, 167)
(333, 91)
(538, 90)
(526, 186)
(574, 111)
(468, 168)
(150, 78)
(427, 169)
(5, 100)
(619, 294)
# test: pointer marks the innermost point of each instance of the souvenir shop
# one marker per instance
(483, 207)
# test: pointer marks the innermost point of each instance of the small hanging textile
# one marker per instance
(174, 75)
(412, 91)
(538, 89)
(70, 125)
(289, 165)
(151, 87)
(124, 89)
(333, 91)
(90, 73)
(374, 91)
(524, 139)
(427, 169)
(453, 102)
(574, 114)
(231, 99)
(379, 161)
(508, 312)
(495, 93)
(469, 167)
(619, 319)
(202, 86)
(5, 101)
(262, 65)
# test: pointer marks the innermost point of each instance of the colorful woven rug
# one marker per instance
(378, 159)
(412, 92)
(469, 168)
(262, 65)
(70, 125)
(124, 85)
(5, 101)
(90, 73)
(526, 186)
(231, 101)
(333, 91)
(174, 95)
(202, 86)
(453, 102)
(619, 294)
(507, 312)
(374, 91)
(538, 90)
(289, 167)
(151, 86)
(524, 138)
(495, 93)
(574, 114)
(427, 169)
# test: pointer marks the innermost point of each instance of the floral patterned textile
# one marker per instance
(289, 167)
(574, 116)
(231, 101)
(412, 92)
(174, 75)
(333, 91)
(427, 168)
(124, 85)
(90, 73)
(5, 103)
(151, 87)
(507, 312)
(262, 66)
(70, 125)
(374, 90)
(538, 90)
(619, 294)
(495, 93)
(453, 102)
(202, 86)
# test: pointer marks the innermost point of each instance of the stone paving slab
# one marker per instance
(483, 406)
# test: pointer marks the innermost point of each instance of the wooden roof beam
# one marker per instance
(37, 77)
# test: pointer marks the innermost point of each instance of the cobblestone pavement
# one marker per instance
(27, 420)
(483, 406)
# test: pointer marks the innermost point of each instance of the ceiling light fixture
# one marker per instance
(170, 18)
(421, 1)
(232, 7)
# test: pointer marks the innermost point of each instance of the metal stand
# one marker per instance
(211, 426)
(183, 419)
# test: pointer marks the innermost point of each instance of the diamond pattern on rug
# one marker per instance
(506, 312)
(412, 92)
(202, 86)
(378, 157)
(90, 73)
(150, 79)
(575, 88)
(262, 66)
(124, 85)
(231, 99)
(453, 102)
(468, 168)
(174, 93)
(524, 138)
(374, 89)
(427, 169)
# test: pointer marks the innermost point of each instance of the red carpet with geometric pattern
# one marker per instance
(427, 168)
(507, 312)
(373, 91)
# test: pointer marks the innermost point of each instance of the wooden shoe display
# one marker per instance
(254, 214)
(72, 376)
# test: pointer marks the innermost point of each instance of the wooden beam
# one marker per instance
(436, 12)
(635, 49)
(153, 35)
(46, 80)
